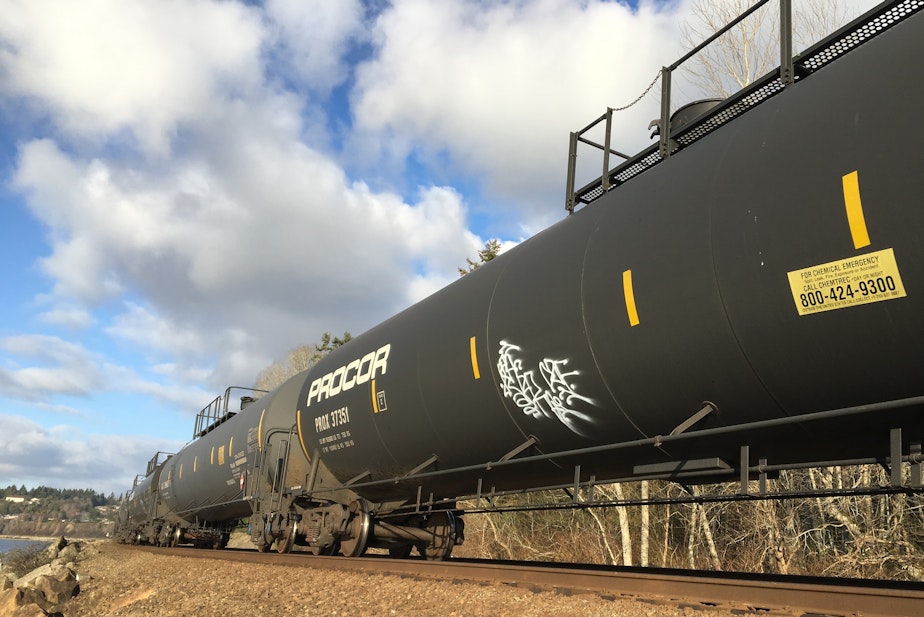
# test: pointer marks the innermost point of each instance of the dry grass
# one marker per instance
(21, 561)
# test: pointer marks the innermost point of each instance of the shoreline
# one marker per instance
(55, 529)
(51, 538)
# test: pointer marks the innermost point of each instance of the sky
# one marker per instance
(190, 188)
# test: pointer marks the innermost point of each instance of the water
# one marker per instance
(8, 544)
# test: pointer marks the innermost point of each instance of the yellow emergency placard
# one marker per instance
(861, 279)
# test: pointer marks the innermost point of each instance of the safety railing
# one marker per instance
(156, 461)
(218, 412)
(672, 138)
(666, 144)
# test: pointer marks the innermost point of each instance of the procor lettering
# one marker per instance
(357, 372)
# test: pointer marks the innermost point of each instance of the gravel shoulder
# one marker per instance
(118, 581)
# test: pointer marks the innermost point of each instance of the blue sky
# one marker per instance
(188, 189)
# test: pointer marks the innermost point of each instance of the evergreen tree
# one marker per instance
(490, 251)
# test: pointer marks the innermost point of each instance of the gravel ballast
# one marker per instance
(118, 581)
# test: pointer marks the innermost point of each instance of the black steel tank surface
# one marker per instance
(141, 501)
(772, 268)
(211, 478)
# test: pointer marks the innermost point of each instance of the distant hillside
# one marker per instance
(53, 529)
(51, 512)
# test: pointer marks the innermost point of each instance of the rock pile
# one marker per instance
(46, 589)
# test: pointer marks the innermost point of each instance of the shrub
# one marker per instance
(21, 561)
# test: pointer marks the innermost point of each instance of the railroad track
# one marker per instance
(749, 593)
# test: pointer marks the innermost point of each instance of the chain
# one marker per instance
(642, 95)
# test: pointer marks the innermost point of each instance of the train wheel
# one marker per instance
(360, 527)
(442, 525)
(286, 540)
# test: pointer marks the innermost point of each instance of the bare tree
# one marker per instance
(298, 359)
(645, 530)
(751, 48)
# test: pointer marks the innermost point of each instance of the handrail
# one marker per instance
(786, 65)
(156, 461)
(666, 144)
(865, 27)
(217, 411)
(607, 150)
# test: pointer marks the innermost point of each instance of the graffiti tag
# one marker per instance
(550, 395)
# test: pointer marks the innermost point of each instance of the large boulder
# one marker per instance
(69, 553)
(48, 586)
(9, 602)
(30, 603)
(12, 604)
(52, 550)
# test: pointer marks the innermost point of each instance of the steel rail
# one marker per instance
(795, 595)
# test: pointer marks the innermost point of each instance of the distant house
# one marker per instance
(17, 499)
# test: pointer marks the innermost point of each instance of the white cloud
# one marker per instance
(65, 457)
(312, 38)
(45, 348)
(500, 85)
(62, 368)
(140, 326)
(39, 369)
(262, 236)
(176, 391)
(103, 66)
(67, 316)
(495, 88)
(248, 241)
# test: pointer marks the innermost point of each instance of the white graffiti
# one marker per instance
(555, 397)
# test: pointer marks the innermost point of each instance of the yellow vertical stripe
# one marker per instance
(375, 401)
(231, 446)
(301, 439)
(630, 297)
(195, 462)
(474, 352)
(260, 432)
(855, 210)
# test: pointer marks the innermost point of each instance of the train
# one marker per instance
(741, 297)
